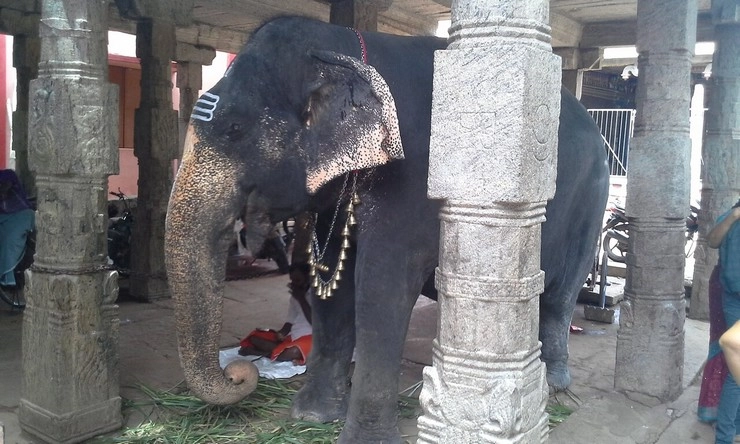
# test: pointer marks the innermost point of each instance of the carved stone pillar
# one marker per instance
(26, 53)
(70, 326)
(721, 149)
(358, 14)
(155, 146)
(498, 72)
(190, 61)
(650, 341)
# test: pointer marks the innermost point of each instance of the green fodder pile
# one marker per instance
(177, 417)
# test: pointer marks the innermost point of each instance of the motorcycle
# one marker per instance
(119, 234)
(616, 229)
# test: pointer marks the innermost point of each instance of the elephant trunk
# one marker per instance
(199, 229)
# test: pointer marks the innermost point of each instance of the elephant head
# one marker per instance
(289, 116)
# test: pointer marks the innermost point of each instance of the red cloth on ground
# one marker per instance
(303, 344)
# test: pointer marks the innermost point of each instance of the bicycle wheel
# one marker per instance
(13, 296)
(614, 246)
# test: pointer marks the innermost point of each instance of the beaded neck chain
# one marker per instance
(325, 288)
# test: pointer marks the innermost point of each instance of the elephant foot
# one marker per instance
(558, 376)
(352, 433)
(321, 402)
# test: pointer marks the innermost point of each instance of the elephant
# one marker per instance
(316, 117)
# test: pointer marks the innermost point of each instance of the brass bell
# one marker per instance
(312, 270)
(340, 265)
(334, 284)
(316, 283)
(346, 232)
(350, 207)
(327, 293)
(309, 250)
(356, 199)
(351, 221)
(337, 276)
(342, 255)
(346, 244)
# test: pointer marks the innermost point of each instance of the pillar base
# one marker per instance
(148, 288)
(71, 427)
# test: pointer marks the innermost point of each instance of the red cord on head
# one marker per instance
(362, 45)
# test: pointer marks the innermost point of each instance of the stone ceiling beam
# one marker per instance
(19, 21)
(566, 32)
(179, 12)
(624, 32)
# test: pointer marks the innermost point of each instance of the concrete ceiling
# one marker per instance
(226, 24)
(575, 23)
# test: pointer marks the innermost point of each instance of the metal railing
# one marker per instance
(616, 127)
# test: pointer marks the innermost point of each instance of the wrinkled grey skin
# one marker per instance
(292, 117)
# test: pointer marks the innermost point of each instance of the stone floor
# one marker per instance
(148, 355)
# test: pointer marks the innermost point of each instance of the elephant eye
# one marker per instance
(306, 116)
(234, 132)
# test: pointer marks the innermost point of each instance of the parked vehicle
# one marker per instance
(13, 295)
(120, 226)
(616, 229)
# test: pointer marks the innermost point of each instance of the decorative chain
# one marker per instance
(325, 288)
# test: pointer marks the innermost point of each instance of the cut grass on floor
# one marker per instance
(177, 417)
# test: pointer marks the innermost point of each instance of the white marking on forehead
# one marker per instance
(207, 107)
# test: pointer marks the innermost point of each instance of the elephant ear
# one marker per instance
(352, 113)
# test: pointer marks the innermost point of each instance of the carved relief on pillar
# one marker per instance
(477, 408)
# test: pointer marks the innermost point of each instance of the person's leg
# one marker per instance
(729, 401)
(730, 344)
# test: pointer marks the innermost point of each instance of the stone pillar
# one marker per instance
(190, 61)
(498, 72)
(189, 82)
(720, 176)
(26, 53)
(155, 146)
(70, 326)
(358, 14)
(650, 341)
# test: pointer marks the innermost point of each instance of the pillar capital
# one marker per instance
(202, 55)
(726, 12)
(579, 58)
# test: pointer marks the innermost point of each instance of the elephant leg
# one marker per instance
(386, 291)
(556, 312)
(325, 395)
